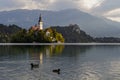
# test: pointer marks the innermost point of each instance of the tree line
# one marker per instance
(15, 34)
(37, 36)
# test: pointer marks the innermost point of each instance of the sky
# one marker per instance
(106, 8)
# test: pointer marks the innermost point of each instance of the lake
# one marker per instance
(76, 62)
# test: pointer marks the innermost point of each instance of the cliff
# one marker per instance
(73, 34)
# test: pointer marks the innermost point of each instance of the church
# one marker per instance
(38, 26)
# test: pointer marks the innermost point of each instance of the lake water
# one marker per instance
(77, 62)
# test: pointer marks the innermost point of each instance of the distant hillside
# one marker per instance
(73, 34)
(107, 40)
(93, 25)
(10, 29)
(7, 31)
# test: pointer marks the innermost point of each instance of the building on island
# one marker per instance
(48, 34)
(38, 26)
(40, 22)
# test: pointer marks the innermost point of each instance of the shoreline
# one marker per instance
(60, 44)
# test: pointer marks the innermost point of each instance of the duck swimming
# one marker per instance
(34, 66)
(56, 71)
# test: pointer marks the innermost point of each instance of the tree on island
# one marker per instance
(71, 34)
(39, 36)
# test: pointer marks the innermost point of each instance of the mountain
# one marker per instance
(93, 25)
(73, 34)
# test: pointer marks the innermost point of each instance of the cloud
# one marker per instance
(110, 9)
(113, 14)
(117, 19)
(44, 4)
(62, 4)
(25, 4)
(107, 5)
(35, 4)
(49, 4)
(106, 8)
(9, 5)
(88, 5)
(84, 5)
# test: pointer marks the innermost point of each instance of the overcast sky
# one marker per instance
(108, 8)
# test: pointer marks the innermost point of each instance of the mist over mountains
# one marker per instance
(93, 25)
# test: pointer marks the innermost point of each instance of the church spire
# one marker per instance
(40, 18)
(40, 22)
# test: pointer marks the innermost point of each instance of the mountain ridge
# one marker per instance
(93, 25)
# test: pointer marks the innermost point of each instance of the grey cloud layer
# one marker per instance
(46, 4)
(98, 7)
(107, 6)
(9, 4)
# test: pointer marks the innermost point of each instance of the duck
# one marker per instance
(34, 65)
(56, 71)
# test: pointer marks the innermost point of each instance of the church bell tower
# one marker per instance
(40, 23)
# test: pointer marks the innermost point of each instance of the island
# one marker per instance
(52, 34)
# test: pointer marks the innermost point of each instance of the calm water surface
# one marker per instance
(76, 62)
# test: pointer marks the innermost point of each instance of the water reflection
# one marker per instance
(12, 53)
(41, 58)
(29, 52)
(15, 61)
(75, 62)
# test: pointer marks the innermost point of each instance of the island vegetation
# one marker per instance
(38, 36)
(53, 34)
(15, 34)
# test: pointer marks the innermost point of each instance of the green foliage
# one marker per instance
(4, 37)
(59, 37)
(41, 36)
(7, 31)
(20, 36)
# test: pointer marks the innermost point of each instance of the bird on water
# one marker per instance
(56, 71)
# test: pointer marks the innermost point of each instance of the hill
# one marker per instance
(93, 25)
(73, 34)
(69, 34)
(7, 31)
